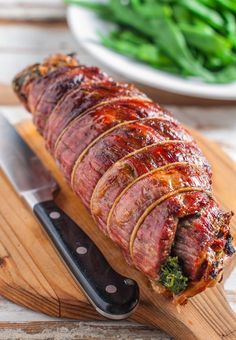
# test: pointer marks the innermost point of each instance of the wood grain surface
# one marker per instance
(32, 274)
(31, 10)
(68, 330)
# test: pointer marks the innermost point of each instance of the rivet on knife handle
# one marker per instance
(113, 295)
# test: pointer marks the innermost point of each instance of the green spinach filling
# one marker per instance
(171, 275)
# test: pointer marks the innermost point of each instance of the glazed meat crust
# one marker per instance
(138, 171)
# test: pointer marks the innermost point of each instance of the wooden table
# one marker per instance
(24, 42)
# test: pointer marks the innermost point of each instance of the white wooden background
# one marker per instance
(23, 42)
(32, 9)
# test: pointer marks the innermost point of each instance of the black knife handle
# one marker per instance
(113, 295)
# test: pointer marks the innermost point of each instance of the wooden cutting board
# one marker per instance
(32, 273)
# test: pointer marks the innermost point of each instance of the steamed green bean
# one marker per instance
(186, 37)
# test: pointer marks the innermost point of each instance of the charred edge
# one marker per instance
(36, 71)
(23, 78)
(229, 248)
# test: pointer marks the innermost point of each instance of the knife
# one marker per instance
(113, 295)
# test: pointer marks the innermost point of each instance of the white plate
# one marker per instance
(85, 25)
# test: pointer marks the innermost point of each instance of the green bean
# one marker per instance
(205, 38)
(181, 14)
(129, 36)
(150, 9)
(226, 75)
(228, 4)
(209, 3)
(210, 43)
(126, 43)
(231, 27)
(207, 14)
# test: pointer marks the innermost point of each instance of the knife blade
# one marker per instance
(113, 295)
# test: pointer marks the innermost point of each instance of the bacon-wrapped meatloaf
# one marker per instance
(141, 174)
